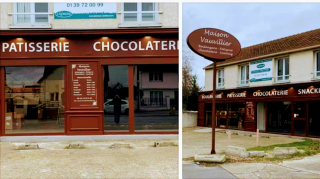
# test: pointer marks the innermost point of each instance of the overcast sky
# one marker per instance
(250, 23)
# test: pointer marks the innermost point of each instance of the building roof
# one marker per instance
(293, 42)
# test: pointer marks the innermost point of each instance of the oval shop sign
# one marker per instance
(213, 44)
(261, 65)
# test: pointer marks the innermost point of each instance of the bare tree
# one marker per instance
(187, 60)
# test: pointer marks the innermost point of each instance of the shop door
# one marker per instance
(116, 98)
(299, 120)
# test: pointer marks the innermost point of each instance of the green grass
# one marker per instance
(307, 144)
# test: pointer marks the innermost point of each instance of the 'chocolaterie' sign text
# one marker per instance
(213, 43)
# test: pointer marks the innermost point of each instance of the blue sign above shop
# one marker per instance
(261, 70)
(84, 10)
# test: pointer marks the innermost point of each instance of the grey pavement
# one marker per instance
(197, 171)
(96, 161)
(294, 169)
(197, 141)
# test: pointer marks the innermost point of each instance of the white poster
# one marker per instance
(261, 70)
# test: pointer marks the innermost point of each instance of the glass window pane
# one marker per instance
(116, 96)
(23, 8)
(130, 17)
(280, 67)
(318, 61)
(41, 7)
(247, 72)
(148, 17)
(30, 105)
(279, 117)
(156, 103)
(41, 18)
(130, 6)
(287, 66)
(243, 73)
(147, 6)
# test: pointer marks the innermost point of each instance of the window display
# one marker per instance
(34, 99)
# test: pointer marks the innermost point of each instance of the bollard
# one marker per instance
(257, 141)
(229, 137)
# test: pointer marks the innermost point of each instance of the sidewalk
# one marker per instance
(97, 160)
(293, 169)
(198, 141)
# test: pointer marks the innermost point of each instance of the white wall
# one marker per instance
(170, 80)
(301, 65)
(168, 18)
(189, 118)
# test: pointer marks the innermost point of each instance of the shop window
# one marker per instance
(116, 96)
(31, 103)
(236, 115)
(279, 117)
(30, 14)
(282, 70)
(141, 14)
(244, 75)
(317, 62)
(156, 104)
(155, 77)
(220, 81)
(314, 118)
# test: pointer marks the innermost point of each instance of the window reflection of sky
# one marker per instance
(119, 75)
(19, 76)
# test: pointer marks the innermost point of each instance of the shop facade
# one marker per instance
(79, 82)
(275, 90)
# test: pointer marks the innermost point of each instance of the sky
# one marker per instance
(250, 23)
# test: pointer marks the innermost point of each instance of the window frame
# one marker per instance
(32, 17)
(139, 12)
(284, 68)
(220, 85)
(247, 81)
(316, 76)
(153, 76)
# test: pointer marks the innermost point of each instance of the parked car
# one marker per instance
(108, 106)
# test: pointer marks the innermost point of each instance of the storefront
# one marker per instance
(286, 109)
(87, 82)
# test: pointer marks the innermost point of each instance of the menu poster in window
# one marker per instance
(84, 84)
(249, 111)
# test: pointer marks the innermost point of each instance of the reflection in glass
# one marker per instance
(236, 115)
(314, 118)
(156, 97)
(116, 98)
(34, 99)
(279, 117)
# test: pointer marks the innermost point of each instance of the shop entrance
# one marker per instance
(279, 117)
(314, 119)
(299, 122)
(116, 98)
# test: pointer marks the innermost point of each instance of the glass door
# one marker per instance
(299, 118)
(116, 98)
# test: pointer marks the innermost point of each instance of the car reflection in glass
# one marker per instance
(108, 106)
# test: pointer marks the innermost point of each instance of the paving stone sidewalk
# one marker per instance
(97, 160)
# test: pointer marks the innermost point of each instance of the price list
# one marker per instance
(84, 90)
